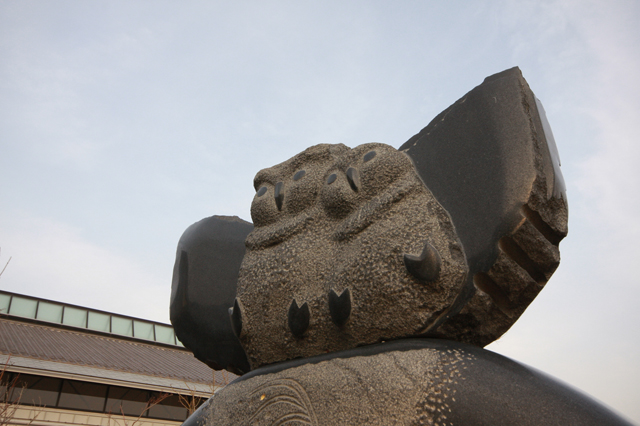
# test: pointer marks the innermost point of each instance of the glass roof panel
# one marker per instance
(164, 334)
(75, 317)
(51, 312)
(4, 303)
(143, 330)
(99, 321)
(123, 326)
(23, 307)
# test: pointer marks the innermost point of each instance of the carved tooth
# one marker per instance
(279, 194)
(354, 178)
(235, 314)
(340, 306)
(298, 318)
(425, 267)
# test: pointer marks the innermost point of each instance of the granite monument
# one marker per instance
(372, 277)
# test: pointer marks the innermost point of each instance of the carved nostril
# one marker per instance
(354, 178)
(261, 191)
(279, 194)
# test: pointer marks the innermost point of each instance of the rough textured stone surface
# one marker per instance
(451, 236)
(349, 248)
(358, 229)
(491, 161)
(412, 382)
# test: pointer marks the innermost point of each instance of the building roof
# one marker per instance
(74, 316)
(47, 350)
(49, 338)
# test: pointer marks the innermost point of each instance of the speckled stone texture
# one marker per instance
(491, 161)
(388, 396)
(349, 248)
(413, 382)
(359, 257)
(452, 236)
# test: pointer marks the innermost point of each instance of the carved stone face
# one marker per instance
(349, 248)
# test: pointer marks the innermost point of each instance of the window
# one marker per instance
(23, 307)
(170, 408)
(51, 312)
(99, 322)
(164, 334)
(82, 396)
(143, 330)
(131, 402)
(60, 313)
(35, 390)
(123, 326)
(75, 317)
(5, 299)
(85, 396)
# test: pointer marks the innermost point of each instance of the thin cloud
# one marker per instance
(53, 260)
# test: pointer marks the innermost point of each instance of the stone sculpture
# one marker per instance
(349, 232)
(371, 278)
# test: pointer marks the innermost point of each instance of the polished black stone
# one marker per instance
(476, 159)
(204, 288)
(340, 306)
(299, 175)
(332, 178)
(492, 389)
(261, 191)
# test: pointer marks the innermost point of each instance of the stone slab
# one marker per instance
(421, 382)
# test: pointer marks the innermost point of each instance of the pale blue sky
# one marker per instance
(121, 123)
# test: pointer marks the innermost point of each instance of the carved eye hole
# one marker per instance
(369, 155)
(261, 191)
(299, 175)
(332, 178)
